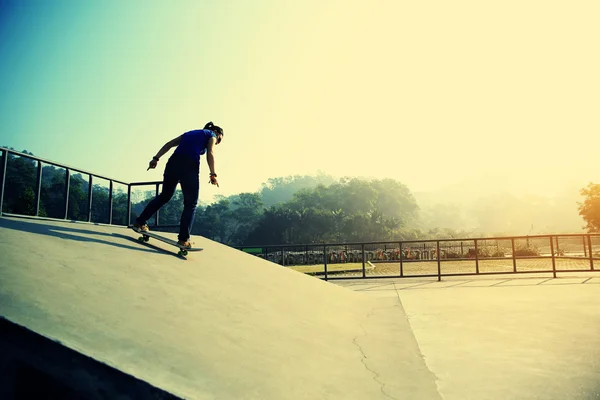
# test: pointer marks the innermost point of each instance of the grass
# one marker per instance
(448, 267)
(331, 268)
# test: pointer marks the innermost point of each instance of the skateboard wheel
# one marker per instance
(146, 238)
(185, 252)
(140, 239)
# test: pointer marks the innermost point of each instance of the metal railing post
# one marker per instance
(305, 255)
(553, 260)
(38, 190)
(128, 205)
(325, 261)
(67, 189)
(282, 252)
(439, 263)
(3, 176)
(110, 201)
(364, 272)
(476, 257)
(514, 259)
(401, 257)
(590, 251)
(89, 203)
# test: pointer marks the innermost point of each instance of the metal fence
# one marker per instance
(419, 258)
(436, 258)
(39, 163)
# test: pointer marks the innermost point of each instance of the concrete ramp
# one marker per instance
(220, 325)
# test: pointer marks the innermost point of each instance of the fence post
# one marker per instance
(553, 260)
(306, 255)
(325, 261)
(67, 190)
(437, 253)
(362, 247)
(128, 206)
(584, 246)
(3, 176)
(476, 257)
(401, 257)
(38, 190)
(590, 251)
(110, 201)
(512, 242)
(90, 194)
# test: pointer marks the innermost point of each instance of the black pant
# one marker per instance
(185, 171)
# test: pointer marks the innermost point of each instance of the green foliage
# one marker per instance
(525, 251)
(349, 210)
(590, 208)
(280, 190)
(485, 253)
(19, 193)
(78, 198)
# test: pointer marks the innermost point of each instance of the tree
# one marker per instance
(78, 198)
(282, 189)
(246, 209)
(212, 222)
(273, 227)
(19, 193)
(349, 210)
(590, 208)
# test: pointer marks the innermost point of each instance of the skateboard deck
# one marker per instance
(147, 235)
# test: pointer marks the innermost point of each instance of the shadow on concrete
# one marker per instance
(147, 244)
(40, 227)
(466, 284)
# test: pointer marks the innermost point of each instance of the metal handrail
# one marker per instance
(46, 161)
(68, 171)
(418, 240)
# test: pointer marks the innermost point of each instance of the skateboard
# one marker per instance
(147, 235)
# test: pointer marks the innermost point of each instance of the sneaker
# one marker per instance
(185, 243)
(140, 227)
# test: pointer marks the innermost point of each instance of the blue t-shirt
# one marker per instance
(193, 143)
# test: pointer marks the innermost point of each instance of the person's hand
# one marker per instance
(213, 180)
(152, 164)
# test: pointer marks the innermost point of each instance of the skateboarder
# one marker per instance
(183, 167)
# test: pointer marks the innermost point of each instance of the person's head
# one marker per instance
(216, 129)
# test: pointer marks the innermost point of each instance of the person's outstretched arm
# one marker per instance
(210, 160)
(163, 150)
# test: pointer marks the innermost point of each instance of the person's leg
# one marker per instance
(170, 180)
(190, 186)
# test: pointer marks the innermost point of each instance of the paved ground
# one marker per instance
(503, 338)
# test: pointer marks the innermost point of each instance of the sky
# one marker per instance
(433, 94)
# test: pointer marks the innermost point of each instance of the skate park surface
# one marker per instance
(228, 325)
